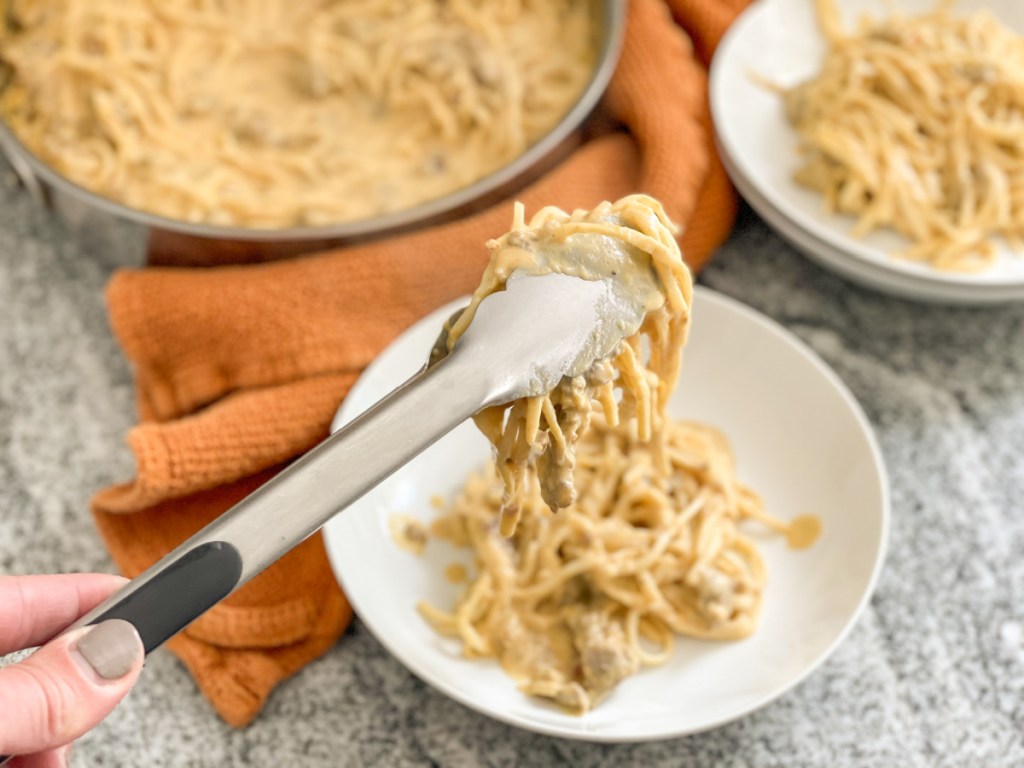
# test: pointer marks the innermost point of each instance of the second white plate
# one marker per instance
(779, 40)
(800, 439)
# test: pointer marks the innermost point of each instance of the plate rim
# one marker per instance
(344, 414)
(863, 273)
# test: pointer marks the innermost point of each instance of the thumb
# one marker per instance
(67, 686)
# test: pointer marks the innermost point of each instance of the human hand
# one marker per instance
(70, 684)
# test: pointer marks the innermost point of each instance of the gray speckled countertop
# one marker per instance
(933, 674)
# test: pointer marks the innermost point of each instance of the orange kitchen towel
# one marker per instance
(240, 368)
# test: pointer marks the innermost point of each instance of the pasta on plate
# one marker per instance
(915, 123)
(644, 541)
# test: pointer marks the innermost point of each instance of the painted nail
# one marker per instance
(111, 648)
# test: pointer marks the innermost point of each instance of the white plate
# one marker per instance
(800, 439)
(779, 40)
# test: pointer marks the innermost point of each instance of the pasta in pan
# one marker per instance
(270, 113)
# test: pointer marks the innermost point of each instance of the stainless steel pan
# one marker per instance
(87, 212)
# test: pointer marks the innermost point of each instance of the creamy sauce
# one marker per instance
(628, 270)
(538, 661)
(803, 531)
(450, 529)
(408, 533)
(456, 573)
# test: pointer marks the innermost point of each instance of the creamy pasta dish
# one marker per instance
(602, 528)
(917, 123)
(279, 113)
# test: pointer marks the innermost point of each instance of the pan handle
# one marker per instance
(11, 152)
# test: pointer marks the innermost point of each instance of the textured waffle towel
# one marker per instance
(240, 368)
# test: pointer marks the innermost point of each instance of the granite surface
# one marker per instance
(932, 675)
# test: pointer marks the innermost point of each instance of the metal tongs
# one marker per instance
(521, 342)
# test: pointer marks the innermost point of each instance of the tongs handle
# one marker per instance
(260, 528)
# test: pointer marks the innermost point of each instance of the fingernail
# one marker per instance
(111, 648)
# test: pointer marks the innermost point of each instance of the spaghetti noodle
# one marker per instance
(631, 243)
(647, 545)
(915, 123)
(275, 113)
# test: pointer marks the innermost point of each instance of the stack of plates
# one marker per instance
(779, 41)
